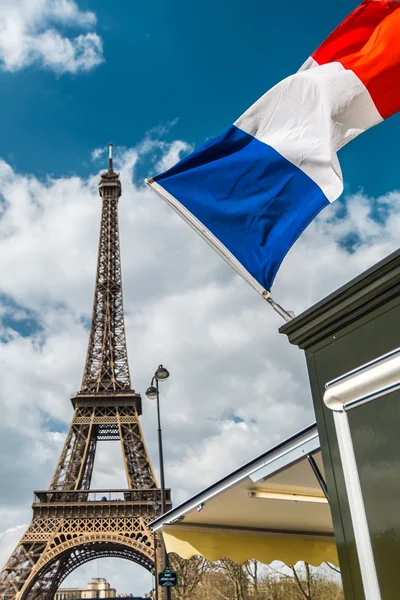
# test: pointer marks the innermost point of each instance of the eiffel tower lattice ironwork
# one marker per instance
(73, 524)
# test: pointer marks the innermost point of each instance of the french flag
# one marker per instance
(253, 190)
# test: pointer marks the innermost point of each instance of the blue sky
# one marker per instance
(201, 63)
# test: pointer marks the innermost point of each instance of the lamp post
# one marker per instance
(153, 394)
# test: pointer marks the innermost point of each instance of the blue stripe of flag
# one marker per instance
(249, 196)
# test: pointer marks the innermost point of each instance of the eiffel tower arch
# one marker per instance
(73, 524)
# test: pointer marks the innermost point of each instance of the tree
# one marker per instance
(190, 573)
(253, 574)
(306, 582)
(200, 579)
(237, 580)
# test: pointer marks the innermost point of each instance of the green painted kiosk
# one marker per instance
(351, 341)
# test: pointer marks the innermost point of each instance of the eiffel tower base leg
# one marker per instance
(52, 548)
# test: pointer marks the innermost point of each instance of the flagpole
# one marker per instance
(212, 241)
(288, 316)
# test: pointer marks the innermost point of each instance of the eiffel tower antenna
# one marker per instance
(72, 523)
(110, 158)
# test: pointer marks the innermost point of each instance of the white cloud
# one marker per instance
(97, 153)
(173, 154)
(321, 261)
(29, 35)
(236, 385)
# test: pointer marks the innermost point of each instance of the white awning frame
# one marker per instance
(221, 521)
(303, 444)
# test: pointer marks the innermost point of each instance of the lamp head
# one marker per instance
(161, 373)
(151, 392)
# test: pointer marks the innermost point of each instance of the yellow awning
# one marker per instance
(273, 508)
(241, 546)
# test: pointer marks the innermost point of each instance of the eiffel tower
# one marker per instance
(73, 524)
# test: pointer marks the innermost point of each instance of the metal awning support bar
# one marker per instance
(318, 475)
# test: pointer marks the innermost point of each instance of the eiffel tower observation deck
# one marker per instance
(73, 524)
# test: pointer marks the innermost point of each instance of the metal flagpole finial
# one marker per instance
(110, 157)
(287, 315)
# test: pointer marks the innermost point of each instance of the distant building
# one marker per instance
(68, 594)
(97, 588)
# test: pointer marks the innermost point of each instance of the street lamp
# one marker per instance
(153, 394)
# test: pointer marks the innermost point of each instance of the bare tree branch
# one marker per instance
(332, 567)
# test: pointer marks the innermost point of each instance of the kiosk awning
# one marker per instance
(273, 508)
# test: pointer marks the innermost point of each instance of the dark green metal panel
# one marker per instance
(356, 324)
(375, 433)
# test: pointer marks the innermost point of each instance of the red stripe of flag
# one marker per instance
(351, 35)
(368, 43)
